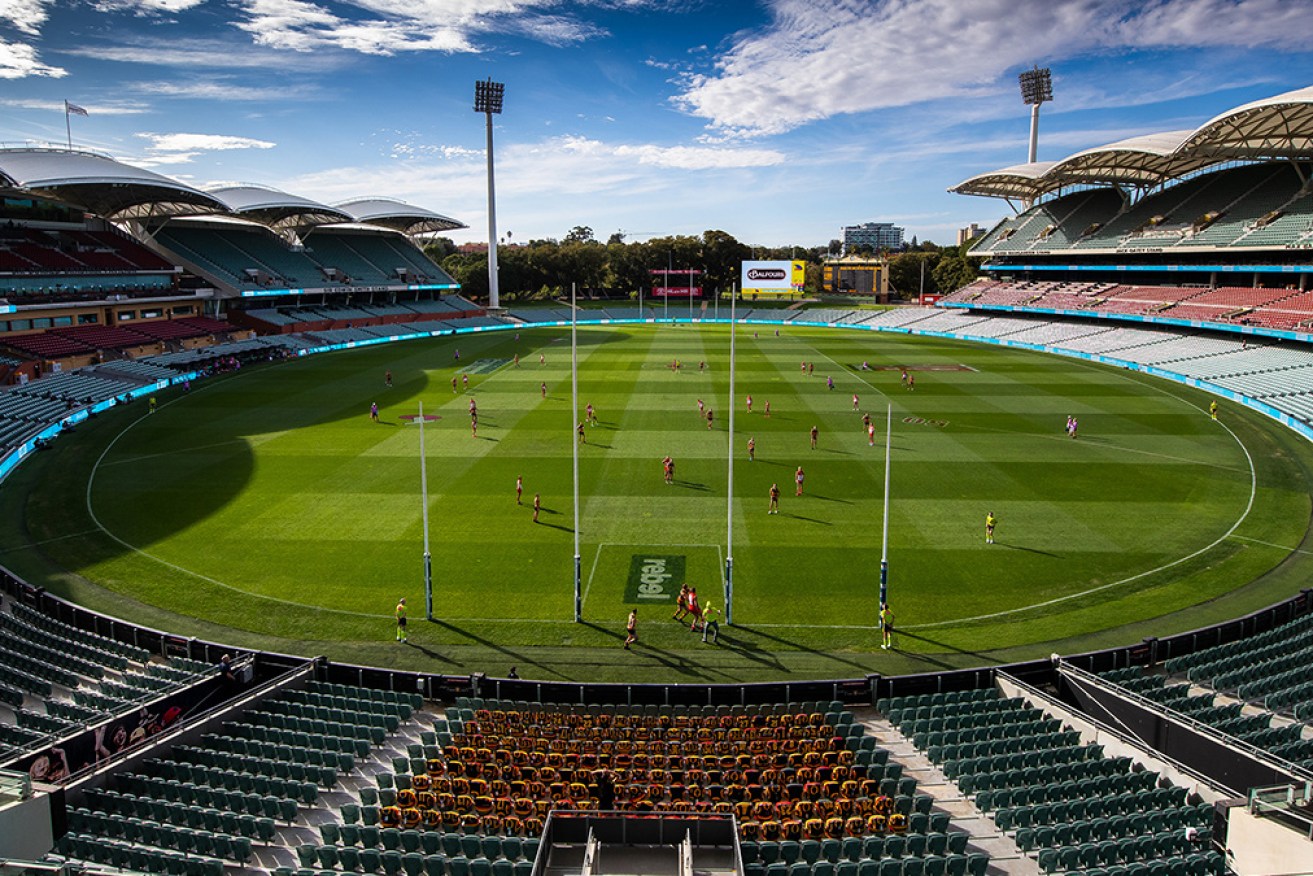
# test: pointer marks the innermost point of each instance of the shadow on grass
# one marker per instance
(943, 646)
(516, 657)
(831, 499)
(434, 655)
(809, 519)
(1017, 547)
(692, 485)
(792, 644)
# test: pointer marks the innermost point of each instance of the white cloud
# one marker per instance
(205, 55)
(599, 176)
(180, 148)
(147, 7)
(815, 60)
(19, 60)
(220, 90)
(95, 109)
(677, 157)
(26, 16)
(385, 27)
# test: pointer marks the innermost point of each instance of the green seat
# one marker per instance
(935, 865)
(435, 865)
(823, 868)
(370, 860)
(955, 865)
(480, 867)
(503, 867)
(490, 847)
(391, 839)
(846, 868)
(458, 866)
(413, 864)
(306, 854)
(790, 851)
(327, 857)
(811, 851)
(471, 846)
(349, 858)
(768, 852)
(410, 840)
(391, 862)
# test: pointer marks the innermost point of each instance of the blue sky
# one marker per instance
(777, 121)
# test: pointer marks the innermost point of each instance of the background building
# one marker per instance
(874, 236)
(971, 232)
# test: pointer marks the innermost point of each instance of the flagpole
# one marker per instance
(424, 498)
(729, 494)
(884, 541)
(574, 406)
(68, 126)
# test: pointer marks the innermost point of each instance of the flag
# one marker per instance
(74, 109)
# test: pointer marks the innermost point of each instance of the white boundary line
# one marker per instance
(1253, 487)
(136, 550)
(1253, 491)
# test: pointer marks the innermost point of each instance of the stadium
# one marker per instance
(230, 415)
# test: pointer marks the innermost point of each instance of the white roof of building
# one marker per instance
(1273, 128)
(104, 185)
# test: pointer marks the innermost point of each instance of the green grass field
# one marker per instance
(267, 510)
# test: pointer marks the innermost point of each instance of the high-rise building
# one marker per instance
(875, 236)
(971, 232)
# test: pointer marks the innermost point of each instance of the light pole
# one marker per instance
(488, 100)
(1036, 88)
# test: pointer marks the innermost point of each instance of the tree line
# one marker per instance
(618, 268)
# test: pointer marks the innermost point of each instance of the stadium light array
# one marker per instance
(488, 100)
(1036, 88)
(488, 96)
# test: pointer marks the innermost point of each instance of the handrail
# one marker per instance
(1125, 738)
(1281, 802)
(1232, 742)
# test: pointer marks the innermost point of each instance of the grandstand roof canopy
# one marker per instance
(104, 186)
(1023, 181)
(1273, 128)
(278, 209)
(397, 215)
(1139, 161)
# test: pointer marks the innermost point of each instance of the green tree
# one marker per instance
(905, 273)
(471, 271)
(580, 234)
(438, 248)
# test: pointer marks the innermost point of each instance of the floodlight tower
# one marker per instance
(1036, 88)
(488, 100)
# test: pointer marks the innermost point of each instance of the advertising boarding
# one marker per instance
(761, 279)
